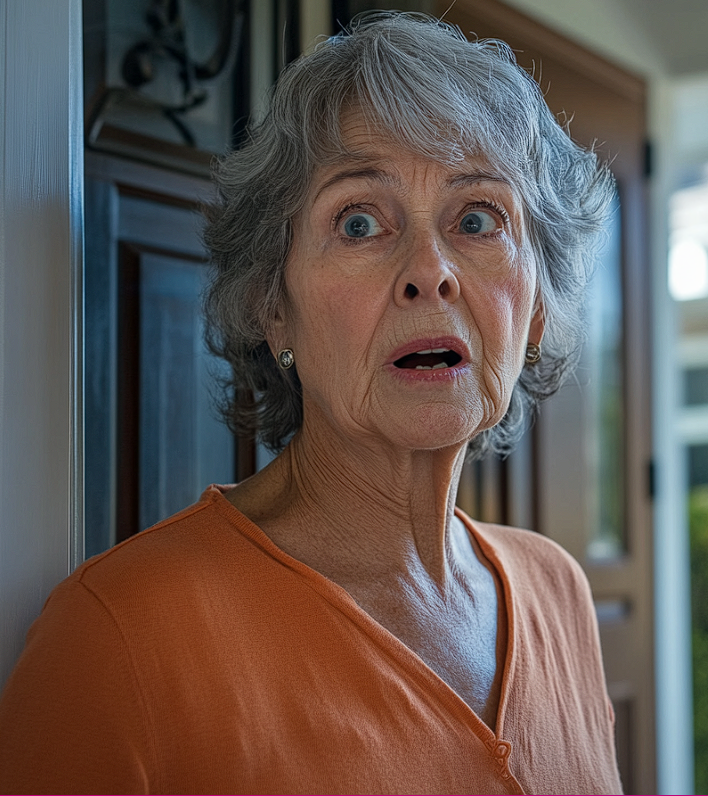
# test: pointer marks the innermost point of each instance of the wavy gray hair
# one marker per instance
(423, 83)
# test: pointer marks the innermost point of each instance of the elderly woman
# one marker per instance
(391, 247)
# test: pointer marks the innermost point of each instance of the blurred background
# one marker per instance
(112, 111)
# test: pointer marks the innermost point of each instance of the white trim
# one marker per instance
(76, 257)
(672, 608)
(41, 200)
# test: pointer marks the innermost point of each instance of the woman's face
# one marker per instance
(411, 295)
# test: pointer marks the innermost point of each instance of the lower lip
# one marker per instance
(438, 376)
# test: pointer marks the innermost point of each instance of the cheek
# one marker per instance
(503, 339)
(502, 310)
(333, 320)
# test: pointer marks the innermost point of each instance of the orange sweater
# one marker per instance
(197, 657)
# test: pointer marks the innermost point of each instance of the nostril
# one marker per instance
(411, 291)
(444, 289)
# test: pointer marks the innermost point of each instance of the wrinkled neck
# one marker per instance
(369, 507)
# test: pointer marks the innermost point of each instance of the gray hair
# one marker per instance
(422, 82)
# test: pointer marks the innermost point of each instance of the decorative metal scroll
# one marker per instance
(163, 52)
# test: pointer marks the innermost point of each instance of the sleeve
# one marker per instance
(72, 718)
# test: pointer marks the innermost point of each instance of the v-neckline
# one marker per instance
(388, 642)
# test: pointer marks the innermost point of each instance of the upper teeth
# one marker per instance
(433, 351)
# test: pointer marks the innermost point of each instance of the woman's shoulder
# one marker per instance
(547, 586)
(529, 556)
(173, 555)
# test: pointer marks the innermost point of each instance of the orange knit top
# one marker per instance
(197, 657)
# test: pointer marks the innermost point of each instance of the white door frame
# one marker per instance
(41, 244)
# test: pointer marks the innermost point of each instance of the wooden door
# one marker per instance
(153, 438)
(583, 476)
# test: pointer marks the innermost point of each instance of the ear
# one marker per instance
(277, 332)
(538, 322)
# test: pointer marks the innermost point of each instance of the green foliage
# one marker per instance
(698, 524)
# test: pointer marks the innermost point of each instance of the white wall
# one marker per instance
(41, 153)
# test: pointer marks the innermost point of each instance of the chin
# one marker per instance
(435, 427)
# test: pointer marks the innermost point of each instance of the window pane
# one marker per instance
(696, 386)
(697, 465)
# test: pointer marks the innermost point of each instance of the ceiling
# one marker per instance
(678, 29)
(659, 37)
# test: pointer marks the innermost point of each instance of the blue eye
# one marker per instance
(361, 225)
(478, 222)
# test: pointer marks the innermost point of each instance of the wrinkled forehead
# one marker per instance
(357, 121)
(367, 147)
(369, 150)
(359, 132)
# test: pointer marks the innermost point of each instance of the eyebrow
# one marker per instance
(462, 180)
(372, 174)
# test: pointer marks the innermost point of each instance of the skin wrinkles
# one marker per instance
(365, 491)
(372, 174)
(380, 175)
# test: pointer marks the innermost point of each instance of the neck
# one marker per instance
(360, 509)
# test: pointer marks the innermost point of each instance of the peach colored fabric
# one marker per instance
(197, 657)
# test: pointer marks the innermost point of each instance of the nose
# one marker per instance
(427, 274)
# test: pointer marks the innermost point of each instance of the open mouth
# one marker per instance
(429, 359)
